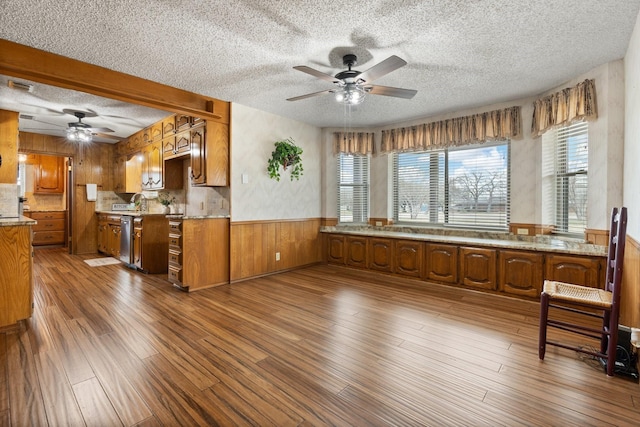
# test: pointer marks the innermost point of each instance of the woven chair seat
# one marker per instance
(578, 294)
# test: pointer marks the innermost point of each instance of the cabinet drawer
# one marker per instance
(175, 275)
(175, 257)
(47, 215)
(49, 225)
(175, 240)
(175, 227)
(48, 238)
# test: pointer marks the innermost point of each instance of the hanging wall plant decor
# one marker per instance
(286, 154)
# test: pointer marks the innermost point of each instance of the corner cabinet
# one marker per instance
(16, 280)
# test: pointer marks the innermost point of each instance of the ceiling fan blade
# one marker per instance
(316, 73)
(100, 130)
(309, 95)
(391, 91)
(390, 64)
(106, 135)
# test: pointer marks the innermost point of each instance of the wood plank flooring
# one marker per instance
(324, 345)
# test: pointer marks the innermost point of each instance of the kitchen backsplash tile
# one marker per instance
(9, 200)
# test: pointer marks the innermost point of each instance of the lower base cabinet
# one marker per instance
(408, 258)
(519, 273)
(380, 255)
(441, 263)
(16, 280)
(478, 268)
(198, 252)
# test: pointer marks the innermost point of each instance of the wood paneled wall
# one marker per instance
(91, 164)
(630, 310)
(253, 246)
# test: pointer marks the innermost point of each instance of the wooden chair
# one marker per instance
(601, 303)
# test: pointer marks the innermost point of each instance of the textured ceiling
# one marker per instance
(460, 53)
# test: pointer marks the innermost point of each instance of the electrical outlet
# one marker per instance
(378, 223)
(277, 256)
(201, 206)
(522, 231)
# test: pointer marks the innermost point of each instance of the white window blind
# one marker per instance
(571, 148)
(467, 186)
(353, 191)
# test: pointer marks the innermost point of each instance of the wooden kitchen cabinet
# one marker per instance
(49, 175)
(408, 258)
(198, 252)
(50, 229)
(585, 271)
(520, 273)
(150, 243)
(356, 251)
(109, 235)
(478, 267)
(155, 174)
(103, 233)
(335, 249)
(16, 280)
(113, 239)
(127, 173)
(380, 254)
(210, 155)
(177, 146)
(441, 263)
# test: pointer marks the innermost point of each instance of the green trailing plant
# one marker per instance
(165, 198)
(286, 154)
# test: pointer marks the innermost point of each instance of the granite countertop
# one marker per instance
(12, 222)
(182, 216)
(474, 238)
(130, 213)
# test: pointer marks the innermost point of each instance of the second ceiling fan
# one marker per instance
(353, 85)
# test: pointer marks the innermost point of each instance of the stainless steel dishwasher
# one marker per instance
(126, 239)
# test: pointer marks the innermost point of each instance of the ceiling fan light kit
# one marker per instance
(79, 135)
(354, 85)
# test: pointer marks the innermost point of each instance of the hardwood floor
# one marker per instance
(319, 346)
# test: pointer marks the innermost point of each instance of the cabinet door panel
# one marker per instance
(478, 267)
(49, 175)
(357, 251)
(335, 245)
(442, 263)
(380, 254)
(520, 273)
(573, 269)
(408, 258)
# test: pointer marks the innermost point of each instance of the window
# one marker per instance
(353, 183)
(467, 187)
(565, 185)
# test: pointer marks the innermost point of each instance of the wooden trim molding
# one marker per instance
(597, 237)
(22, 61)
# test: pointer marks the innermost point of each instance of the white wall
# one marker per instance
(253, 134)
(631, 198)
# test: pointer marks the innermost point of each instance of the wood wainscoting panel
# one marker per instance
(255, 245)
(597, 237)
(630, 298)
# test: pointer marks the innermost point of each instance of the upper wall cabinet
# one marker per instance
(49, 171)
(210, 155)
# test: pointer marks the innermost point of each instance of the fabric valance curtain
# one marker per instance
(489, 126)
(564, 107)
(360, 143)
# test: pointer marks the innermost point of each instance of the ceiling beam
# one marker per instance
(25, 62)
